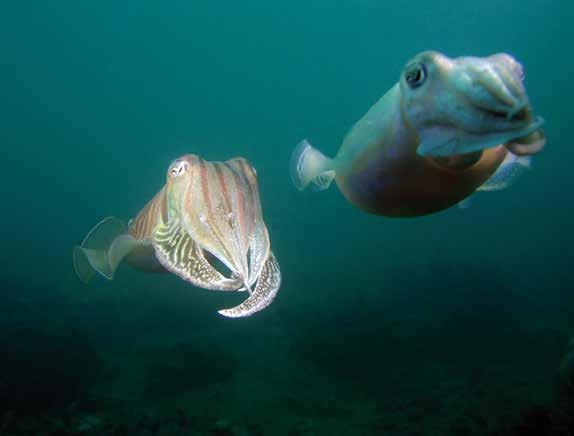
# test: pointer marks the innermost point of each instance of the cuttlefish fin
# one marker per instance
(509, 171)
(309, 165)
(180, 254)
(103, 249)
(264, 293)
(466, 203)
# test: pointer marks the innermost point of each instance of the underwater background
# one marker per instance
(457, 323)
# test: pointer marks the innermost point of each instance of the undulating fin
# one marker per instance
(179, 253)
(265, 291)
(103, 249)
(466, 203)
(509, 171)
(309, 165)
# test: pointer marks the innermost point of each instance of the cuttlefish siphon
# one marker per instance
(205, 225)
(434, 138)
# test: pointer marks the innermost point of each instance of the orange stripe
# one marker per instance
(245, 170)
(144, 223)
(204, 186)
(187, 198)
(221, 177)
(240, 204)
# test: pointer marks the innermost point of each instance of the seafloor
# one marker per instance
(160, 361)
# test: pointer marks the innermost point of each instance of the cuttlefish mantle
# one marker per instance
(205, 225)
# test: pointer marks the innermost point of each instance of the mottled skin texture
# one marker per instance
(378, 168)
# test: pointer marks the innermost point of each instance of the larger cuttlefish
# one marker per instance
(449, 127)
(205, 225)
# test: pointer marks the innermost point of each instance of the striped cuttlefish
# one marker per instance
(205, 225)
(448, 128)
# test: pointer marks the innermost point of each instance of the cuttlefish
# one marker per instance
(447, 128)
(205, 225)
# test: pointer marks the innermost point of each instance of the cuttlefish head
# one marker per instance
(178, 181)
(467, 104)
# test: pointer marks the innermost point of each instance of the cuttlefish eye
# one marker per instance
(415, 75)
(178, 168)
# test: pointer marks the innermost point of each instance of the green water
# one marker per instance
(454, 323)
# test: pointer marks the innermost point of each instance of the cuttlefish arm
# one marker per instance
(181, 255)
(258, 236)
(226, 217)
(439, 141)
(268, 284)
(263, 266)
(215, 214)
(527, 145)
